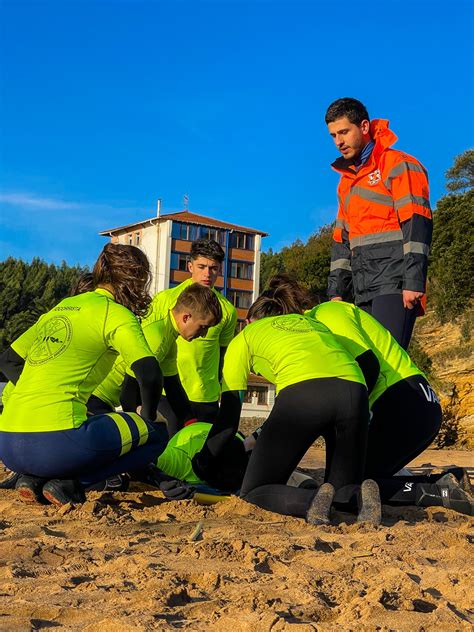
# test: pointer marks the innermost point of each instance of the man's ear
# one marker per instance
(190, 267)
(185, 316)
(365, 126)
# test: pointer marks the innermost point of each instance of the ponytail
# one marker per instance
(284, 296)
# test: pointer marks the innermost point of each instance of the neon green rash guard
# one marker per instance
(160, 331)
(20, 346)
(175, 460)
(358, 332)
(286, 350)
(198, 360)
(110, 388)
(73, 349)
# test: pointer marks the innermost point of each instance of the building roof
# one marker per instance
(187, 218)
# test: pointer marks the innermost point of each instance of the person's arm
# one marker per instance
(178, 399)
(370, 367)
(408, 184)
(227, 334)
(222, 351)
(11, 365)
(340, 274)
(150, 380)
(130, 398)
(221, 433)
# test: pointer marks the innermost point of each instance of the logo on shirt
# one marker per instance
(53, 339)
(290, 323)
(374, 177)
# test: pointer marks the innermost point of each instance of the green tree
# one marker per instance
(308, 262)
(460, 176)
(28, 290)
(451, 271)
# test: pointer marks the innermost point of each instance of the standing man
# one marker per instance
(200, 361)
(383, 229)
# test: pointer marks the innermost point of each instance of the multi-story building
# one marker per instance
(166, 240)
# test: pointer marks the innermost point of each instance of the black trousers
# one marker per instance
(303, 412)
(388, 309)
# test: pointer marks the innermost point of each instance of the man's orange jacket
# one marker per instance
(384, 225)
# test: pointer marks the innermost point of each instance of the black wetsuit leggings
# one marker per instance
(406, 420)
(303, 412)
(388, 309)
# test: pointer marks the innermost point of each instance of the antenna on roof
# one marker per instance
(186, 201)
(158, 207)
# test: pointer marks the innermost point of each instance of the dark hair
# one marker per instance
(127, 270)
(355, 111)
(200, 300)
(208, 248)
(83, 284)
(284, 296)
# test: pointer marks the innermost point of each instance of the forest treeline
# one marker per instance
(27, 290)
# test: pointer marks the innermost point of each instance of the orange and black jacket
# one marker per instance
(384, 225)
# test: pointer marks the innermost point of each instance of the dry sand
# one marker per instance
(128, 562)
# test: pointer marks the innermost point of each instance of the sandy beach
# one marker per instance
(134, 561)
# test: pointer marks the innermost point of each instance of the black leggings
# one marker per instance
(303, 412)
(406, 419)
(388, 309)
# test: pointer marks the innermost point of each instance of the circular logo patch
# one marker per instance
(290, 323)
(53, 339)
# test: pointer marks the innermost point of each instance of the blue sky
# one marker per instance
(107, 106)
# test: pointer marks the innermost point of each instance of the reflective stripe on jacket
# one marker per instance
(383, 229)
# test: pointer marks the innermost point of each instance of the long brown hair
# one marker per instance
(284, 296)
(85, 283)
(127, 270)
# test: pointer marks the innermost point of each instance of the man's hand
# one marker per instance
(411, 299)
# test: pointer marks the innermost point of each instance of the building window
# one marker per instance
(247, 397)
(179, 261)
(260, 393)
(241, 270)
(242, 241)
(206, 232)
(240, 299)
(137, 239)
(129, 239)
(186, 232)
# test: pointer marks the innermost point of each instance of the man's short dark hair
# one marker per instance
(208, 248)
(355, 111)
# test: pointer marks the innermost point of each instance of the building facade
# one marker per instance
(166, 240)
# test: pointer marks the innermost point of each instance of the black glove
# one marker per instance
(177, 490)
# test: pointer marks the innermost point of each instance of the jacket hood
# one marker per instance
(383, 137)
(381, 134)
